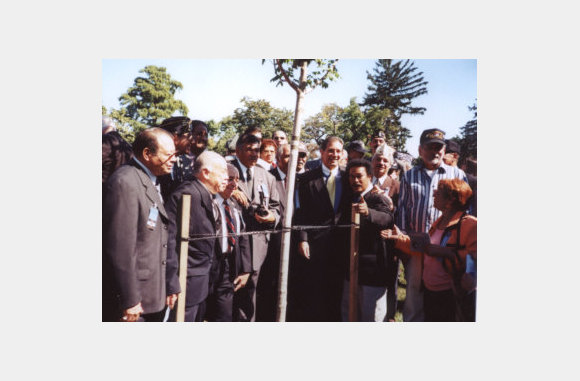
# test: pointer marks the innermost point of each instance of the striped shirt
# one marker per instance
(416, 211)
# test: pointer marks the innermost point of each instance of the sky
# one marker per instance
(213, 88)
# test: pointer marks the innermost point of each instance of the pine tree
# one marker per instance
(393, 86)
(148, 102)
(468, 140)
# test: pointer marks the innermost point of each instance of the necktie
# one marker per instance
(248, 175)
(331, 187)
(230, 226)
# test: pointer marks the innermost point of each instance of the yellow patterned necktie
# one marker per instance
(331, 186)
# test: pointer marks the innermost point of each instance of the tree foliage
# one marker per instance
(253, 113)
(148, 102)
(326, 122)
(468, 139)
(393, 86)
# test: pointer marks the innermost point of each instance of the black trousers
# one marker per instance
(439, 306)
(221, 299)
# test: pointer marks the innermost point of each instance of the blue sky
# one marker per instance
(213, 88)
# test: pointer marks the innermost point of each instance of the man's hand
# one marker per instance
(132, 314)
(393, 233)
(240, 281)
(269, 218)
(241, 198)
(304, 249)
(170, 300)
(362, 208)
(377, 189)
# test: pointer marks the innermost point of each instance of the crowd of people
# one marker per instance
(423, 216)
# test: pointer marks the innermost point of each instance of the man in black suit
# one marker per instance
(261, 211)
(233, 266)
(317, 284)
(377, 265)
(211, 177)
(135, 234)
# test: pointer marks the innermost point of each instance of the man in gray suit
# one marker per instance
(135, 233)
(261, 211)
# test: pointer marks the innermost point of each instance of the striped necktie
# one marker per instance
(230, 226)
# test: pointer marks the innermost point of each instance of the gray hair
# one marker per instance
(208, 159)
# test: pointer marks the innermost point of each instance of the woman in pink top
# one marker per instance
(444, 277)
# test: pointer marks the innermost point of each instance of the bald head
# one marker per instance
(211, 169)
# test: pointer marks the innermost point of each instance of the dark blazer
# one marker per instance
(201, 252)
(375, 266)
(241, 260)
(134, 252)
(315, 287)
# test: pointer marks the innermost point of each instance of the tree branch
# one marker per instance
(288, 80)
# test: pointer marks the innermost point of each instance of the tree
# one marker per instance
(326, 122)
(393, 86)
(259, 113)
(302, 83)
(468, 139)
(148, 102)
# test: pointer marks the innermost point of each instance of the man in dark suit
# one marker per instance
(261, 211)
(316, 288)
(211, 177)
(377, 265)
(135, 234)
(233, 265)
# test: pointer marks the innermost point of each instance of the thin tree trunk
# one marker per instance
(289, 211)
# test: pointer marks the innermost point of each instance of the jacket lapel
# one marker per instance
(150, 190)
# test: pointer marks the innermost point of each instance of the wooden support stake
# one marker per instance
(353, 283)
(183, 249)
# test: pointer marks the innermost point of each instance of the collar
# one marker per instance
(443, 168)
(244, 169)
(380, 180)
(282, 174)
(326, 172)
(147, 171)
(219, 199)
(367, 190)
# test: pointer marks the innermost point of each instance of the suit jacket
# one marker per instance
(259, 242)
(280, 187)
(377, 265)
(201, 252)
(240, 259)
(134, 249)
(315, 206)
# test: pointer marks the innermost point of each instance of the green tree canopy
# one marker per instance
(393, 86)
(252, 113)
(148, 102)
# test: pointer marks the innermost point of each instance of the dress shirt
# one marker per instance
(245, 170)
(152, 177)
(224, 239)
(416, 211)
